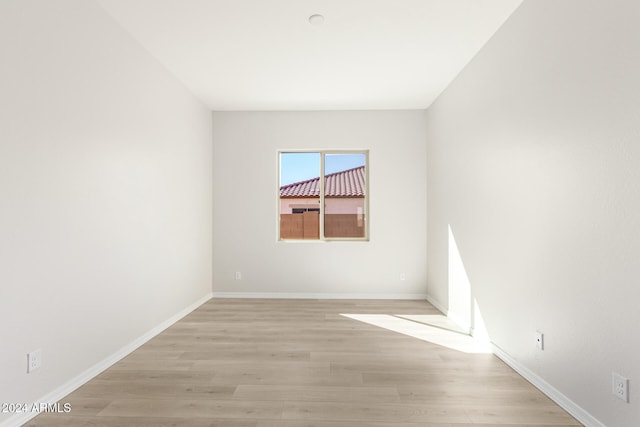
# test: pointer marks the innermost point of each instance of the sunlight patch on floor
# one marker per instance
(433, 334)
(438, 320)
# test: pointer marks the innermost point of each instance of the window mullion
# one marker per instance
(322, 182)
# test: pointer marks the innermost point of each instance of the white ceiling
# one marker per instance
(265, 55)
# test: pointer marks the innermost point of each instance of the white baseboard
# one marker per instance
(465, 326)
(293, 295)
(434, 302)
(462, 324)
(563, 401)
(73, 384)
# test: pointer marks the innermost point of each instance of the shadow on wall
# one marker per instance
(463, 308)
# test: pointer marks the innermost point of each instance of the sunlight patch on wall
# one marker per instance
(459, 287)
(480, 333)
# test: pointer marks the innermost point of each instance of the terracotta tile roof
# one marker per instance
(349, 183)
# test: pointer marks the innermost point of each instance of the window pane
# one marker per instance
(299, 196)
(345, 195)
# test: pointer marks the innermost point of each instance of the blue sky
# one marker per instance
(295, 167)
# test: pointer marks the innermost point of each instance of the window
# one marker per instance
(335, 208)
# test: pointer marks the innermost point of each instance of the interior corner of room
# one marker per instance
(129, 196)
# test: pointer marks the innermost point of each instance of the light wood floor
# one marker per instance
(289, 363)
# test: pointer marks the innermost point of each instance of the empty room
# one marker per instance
(319, 213)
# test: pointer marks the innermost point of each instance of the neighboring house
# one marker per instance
(344, 206)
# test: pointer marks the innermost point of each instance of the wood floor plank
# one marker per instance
(196, 408)
(276, 378)
(304, 363)
(462, 394)
(356, 411)
(112, 390)
(255, 354)
(317, 393)
(541, 415)
(107, 421)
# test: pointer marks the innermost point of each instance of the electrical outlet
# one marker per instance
(403, 276)
(238, 275)
(34, 360)
(539, 340)
(620, 387)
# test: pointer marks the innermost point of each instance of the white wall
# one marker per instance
(246, 206)
(105, 193)
(533, 160)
